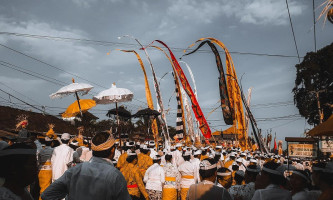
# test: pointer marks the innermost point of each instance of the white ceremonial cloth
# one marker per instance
(171, 170)
(272, 192)
(117, 154)
(196, 163)
(153, 153)
(96, 179)
(86, 154)
(187, 169)
(61, 155)
(154, 177)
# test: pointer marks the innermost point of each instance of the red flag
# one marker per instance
(204, 127)
(275, 146)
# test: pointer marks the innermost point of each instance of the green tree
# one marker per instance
(315, 74)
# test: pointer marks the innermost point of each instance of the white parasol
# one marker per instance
(81, 88)
(113, 95)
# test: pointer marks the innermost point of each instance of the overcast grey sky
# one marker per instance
(246, 26)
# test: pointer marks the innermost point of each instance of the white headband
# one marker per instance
(301, 175)
(224, 174)
(272, 171)
(8, 152)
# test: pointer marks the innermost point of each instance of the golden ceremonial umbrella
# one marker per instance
(74, 109)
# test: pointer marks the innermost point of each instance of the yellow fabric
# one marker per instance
(45, 178)
(104, 146)
(133, 176)
(228, 163)
(122, 161)
(183, 193)
(171, 179)
(147, 89)
(50, 133)
(204, 157)
(169, 194)
(73, 109)
(144, 162)
(188, 176)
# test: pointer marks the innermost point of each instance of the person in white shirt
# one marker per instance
(196, 162)
(177, 154)
(154, 179)
(188, 175)
(61, 155)
(153, 153)
(269, 181)
(86, 152)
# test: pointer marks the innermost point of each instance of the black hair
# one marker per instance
(85, 142)
(64, 141)
(98, 139)
(217, 158)
(210, 172)
(145, 151)
(274, 178)
(73, 146)
(196, 156)
(130, 159)
(253, 175)
(239, 179)
(204, 152)
(235, 167)
(48, 143)
(168, 157)
(186, 158)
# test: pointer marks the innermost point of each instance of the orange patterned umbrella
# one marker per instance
(74, 109)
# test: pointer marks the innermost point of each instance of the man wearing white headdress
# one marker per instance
(154, 179)
(61, 156)
(188, 175)
(153, 153)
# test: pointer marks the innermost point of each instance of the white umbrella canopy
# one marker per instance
(81, 88)
(113, 95)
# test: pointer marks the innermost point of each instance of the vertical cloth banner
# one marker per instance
(197, 132)
(180, 120)
(228, 114)
(147, 89)
(204, 127)
(189, 121)
(233, 92)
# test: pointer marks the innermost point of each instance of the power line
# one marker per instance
(58, 68)
(109, 43)
(292, 29)
(23, 101)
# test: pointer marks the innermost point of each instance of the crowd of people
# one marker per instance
(101, 168)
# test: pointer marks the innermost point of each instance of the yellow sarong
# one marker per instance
(169, 194)
(183, 193)
(45, 177)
